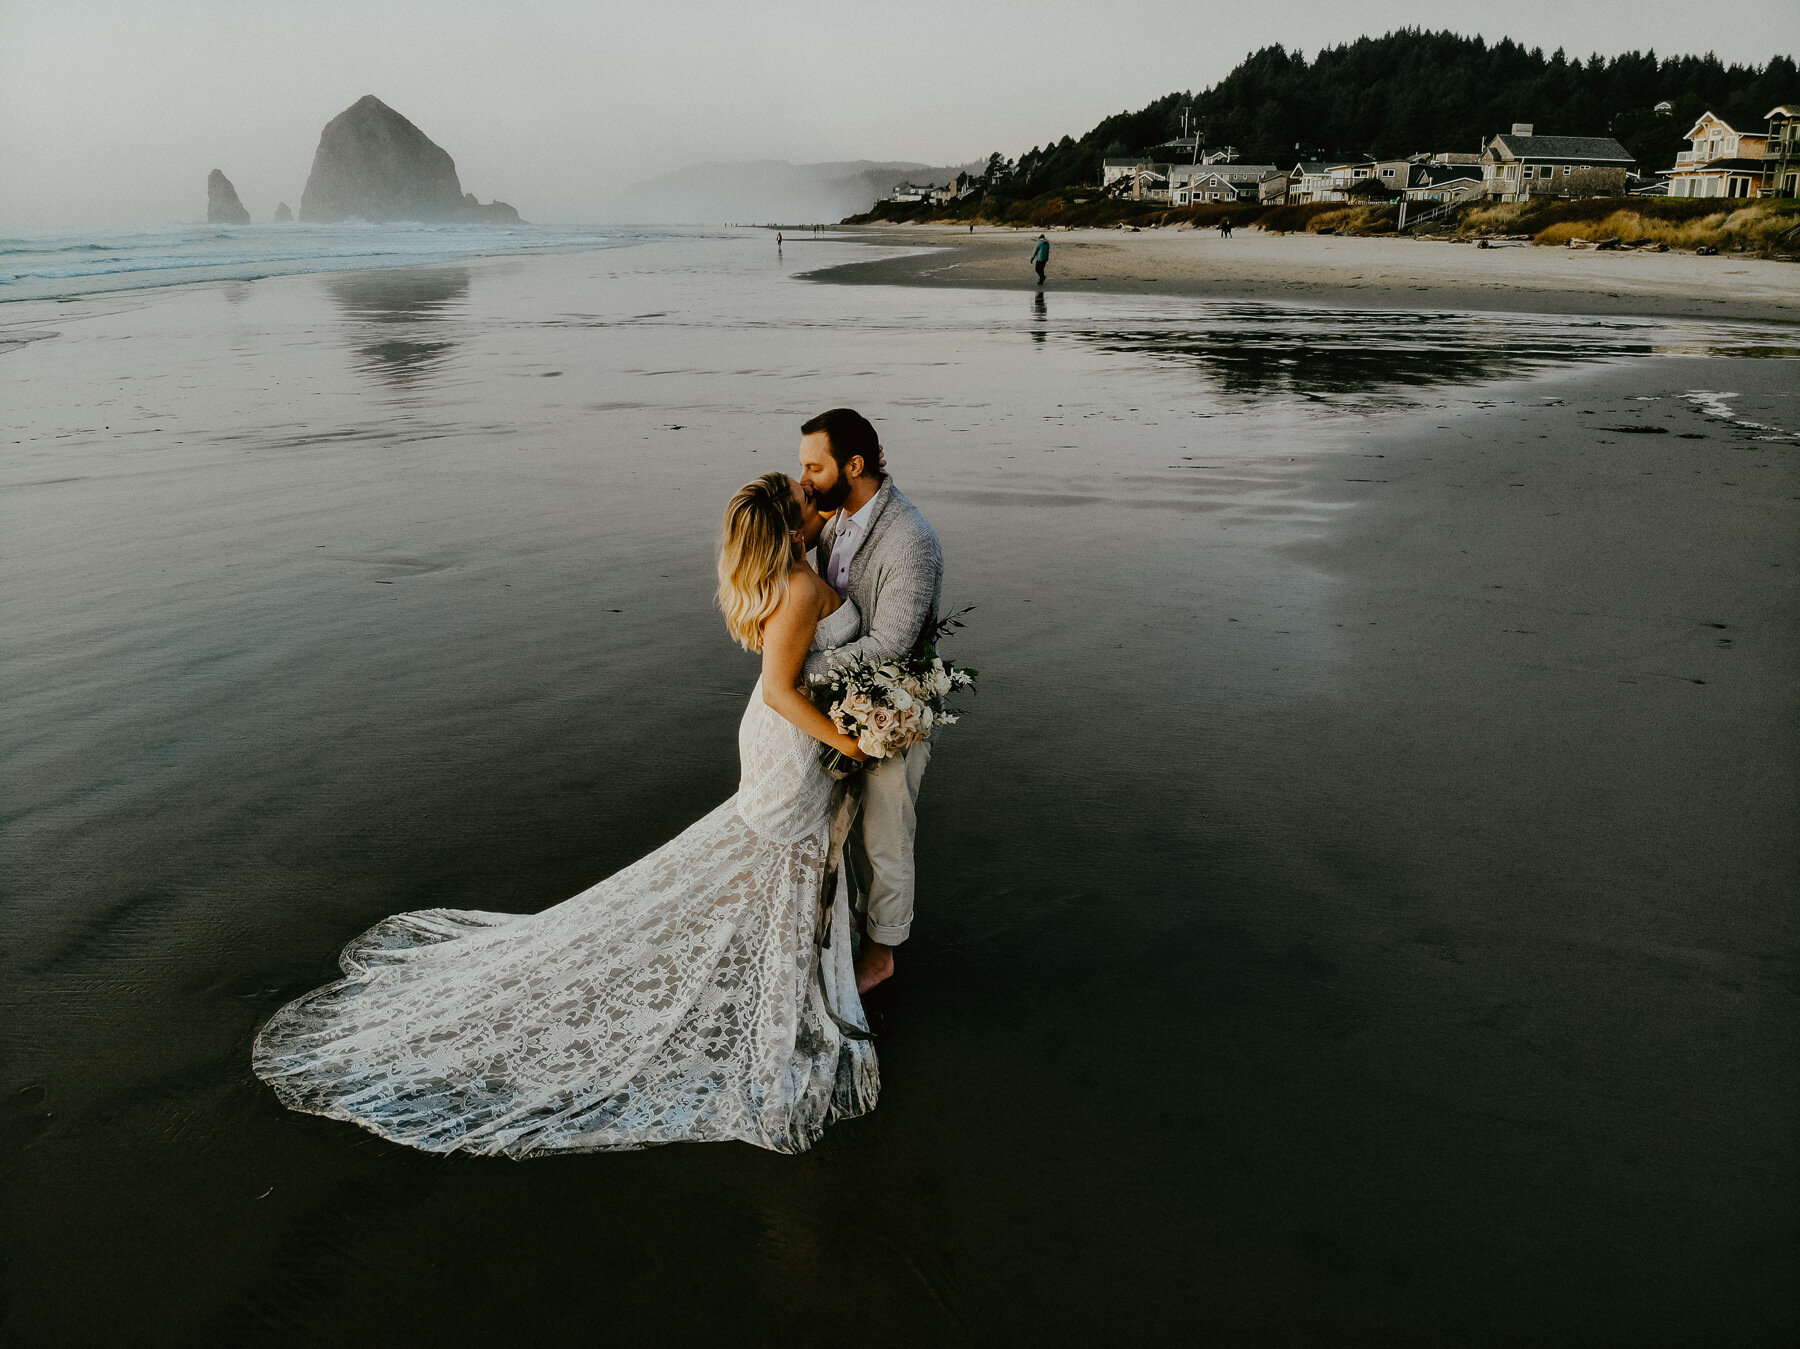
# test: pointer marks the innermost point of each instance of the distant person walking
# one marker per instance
(1040, 256)
(778, 241)
(1225, 227)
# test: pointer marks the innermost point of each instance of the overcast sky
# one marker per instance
(113, 111)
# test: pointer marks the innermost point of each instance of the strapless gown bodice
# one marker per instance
(782, 791)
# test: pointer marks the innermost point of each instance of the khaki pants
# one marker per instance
(880, 846)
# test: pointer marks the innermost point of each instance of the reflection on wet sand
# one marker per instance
(1267, 349)
(1040, 316)
(396, 319)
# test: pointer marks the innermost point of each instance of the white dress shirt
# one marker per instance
(851, 530)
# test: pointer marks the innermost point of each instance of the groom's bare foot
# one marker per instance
(874, 964)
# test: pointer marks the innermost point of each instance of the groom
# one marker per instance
(876, 550)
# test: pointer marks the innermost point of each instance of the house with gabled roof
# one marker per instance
(1137, 178)
(1520, 164)
(1721, 161)
(1316, 180)
(1444, 182)
(1195, 184)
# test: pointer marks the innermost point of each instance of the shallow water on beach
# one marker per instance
(1262, 986)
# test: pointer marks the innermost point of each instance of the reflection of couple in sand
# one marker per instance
(697, 994)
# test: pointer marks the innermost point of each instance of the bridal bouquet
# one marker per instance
(890, 706)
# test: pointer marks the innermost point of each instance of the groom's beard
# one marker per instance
(827, 501)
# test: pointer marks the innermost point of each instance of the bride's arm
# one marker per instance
(786, 636)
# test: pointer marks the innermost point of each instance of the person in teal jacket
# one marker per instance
(1039, 256)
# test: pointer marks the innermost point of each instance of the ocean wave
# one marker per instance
(8, 246)
(48, 266)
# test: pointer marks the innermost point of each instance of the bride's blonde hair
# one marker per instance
(756, 555)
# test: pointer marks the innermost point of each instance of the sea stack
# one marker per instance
(282, 214)
(373, 164)
(222, 204)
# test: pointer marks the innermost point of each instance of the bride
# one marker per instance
(689, 996)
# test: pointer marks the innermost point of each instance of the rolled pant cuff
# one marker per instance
(889, 936)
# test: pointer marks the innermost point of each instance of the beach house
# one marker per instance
(923, 192)
(1421, 177)
(1273, 189)
(1196, 184)
(1721, 161)
(1312, 180)
(1435, 181)
(1112, 170)
(1783, 153)
(1139, 179)
(1393, 173)
(1519, 165)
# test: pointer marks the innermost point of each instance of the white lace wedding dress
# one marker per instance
(685, 997)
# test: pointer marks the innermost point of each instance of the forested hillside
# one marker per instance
(1411, 91)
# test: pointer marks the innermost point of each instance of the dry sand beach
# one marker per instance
(1359, 909)
(1355, 272)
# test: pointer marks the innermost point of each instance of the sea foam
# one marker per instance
(47, 265)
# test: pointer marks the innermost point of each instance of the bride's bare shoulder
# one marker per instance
(817, 590)
(807, 601)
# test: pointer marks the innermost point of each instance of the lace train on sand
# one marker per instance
(684, 997)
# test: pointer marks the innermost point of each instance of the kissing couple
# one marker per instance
(707, 991)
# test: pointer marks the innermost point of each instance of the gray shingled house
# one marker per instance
(1519, 165)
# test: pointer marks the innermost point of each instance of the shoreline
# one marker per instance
(1335, 271)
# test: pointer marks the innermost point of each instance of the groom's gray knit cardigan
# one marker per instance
(896, 580)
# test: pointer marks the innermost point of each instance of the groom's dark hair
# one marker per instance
(849, 434)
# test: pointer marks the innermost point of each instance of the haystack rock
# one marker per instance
(222, 204)
(282, 214)
(373, 164)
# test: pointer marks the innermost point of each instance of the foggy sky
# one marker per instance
(113, 111)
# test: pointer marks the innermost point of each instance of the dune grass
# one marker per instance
(1750, 228)
(1766, 227)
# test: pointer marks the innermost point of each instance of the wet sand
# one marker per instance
(1356, 272)
(1360, 908)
